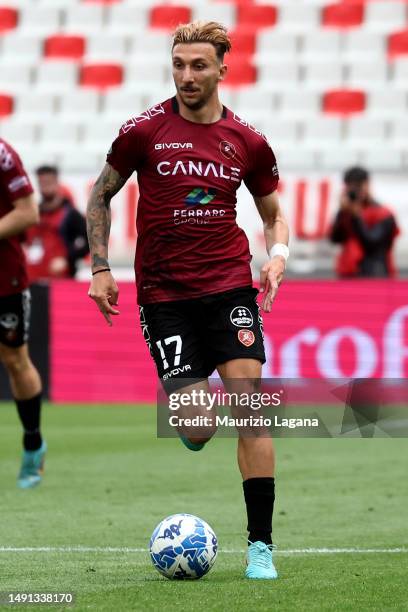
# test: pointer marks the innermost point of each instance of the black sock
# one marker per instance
(259, 496)
(29, 411)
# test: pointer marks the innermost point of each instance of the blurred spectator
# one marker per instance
(365, 229)
(59, 241)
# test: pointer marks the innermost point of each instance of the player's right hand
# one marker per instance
(104, 291)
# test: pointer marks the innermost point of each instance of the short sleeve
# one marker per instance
(12, 173)
(125, 153)
(263, 177)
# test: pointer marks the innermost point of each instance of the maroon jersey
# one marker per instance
(14, 184)
(189, 243)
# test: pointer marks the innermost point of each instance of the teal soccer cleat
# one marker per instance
(190, 445)
(32, 468)
(260, 564)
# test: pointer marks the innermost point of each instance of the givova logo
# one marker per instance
(199, 195)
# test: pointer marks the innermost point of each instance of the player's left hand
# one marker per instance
(271, 277)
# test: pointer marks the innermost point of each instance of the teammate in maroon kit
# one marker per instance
(18, 211)
(197, 304)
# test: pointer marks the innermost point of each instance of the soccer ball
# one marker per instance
(183, 546)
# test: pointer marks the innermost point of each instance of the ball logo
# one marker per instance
(246, 337)
(227, 149)
(9, 321)
(241, 317)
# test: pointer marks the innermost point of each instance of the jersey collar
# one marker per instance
(176, 108)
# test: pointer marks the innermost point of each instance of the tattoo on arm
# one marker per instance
(98, 214)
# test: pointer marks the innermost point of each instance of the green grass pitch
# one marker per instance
(109, 481)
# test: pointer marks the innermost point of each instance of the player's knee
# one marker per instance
(15, 361)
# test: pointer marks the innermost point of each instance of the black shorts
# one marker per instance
(15, 318)
(189, 338)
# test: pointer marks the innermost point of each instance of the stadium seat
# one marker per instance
(320, 45)
(358, 44)
(400, 75)
(83, 18)
(224, 13)
(101, 76)
(382, 159)
(140, 73)
(15, 80)
(281, 131)
(343, 15)
(6, 105)
(129, 20)
(271, 43)
(17, 132)
(8, 18)
(367, 74)
(123, 104)
(154, 43)
(106, 47)
(322, 132)
(79, 104)
(168, 17)
(37, 104)
(297, 17)
(276, 74)
(343, 102)
(41, 20)
(256, 15)
(291, 104)
(58, 136)
(363, 131)
(338, 157)
(241, 71)
(56, 76)
(398, 136)
(323, 75)
(387, 103)
(386, 16)
(25, 48)
(398, 44)
(64, 46)
(243, 41)
(295, 157)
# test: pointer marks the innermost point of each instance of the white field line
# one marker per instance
(125, 550)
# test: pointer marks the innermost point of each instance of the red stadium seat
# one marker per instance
(343, 102)
(241, 70)
(398, 44)
(243, 41)
(6, 105)
(343, 15)
(256, 15)
(63, 46)
(8, 18)
(169, 17)
(101, 76)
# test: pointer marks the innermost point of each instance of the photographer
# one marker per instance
(365, 229)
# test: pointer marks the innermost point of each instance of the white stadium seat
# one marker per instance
(387, 103)
(382, 158)
(152, 43)
(323, 75)
(104, 47)
(271, 43)
(367, 74)
(83, 18)
(385, 16)
(18, 132)
(321, 46)
(128, 19)
(278, 75)
(297, 17)
(13, 79)
(34, 105)
(361, 131)
(357, 43)
(322, 132)
(79, 104)
(37, 19)
(123, 104)
(56, 76)
(224, 13)
(291, 104)
(19, 47)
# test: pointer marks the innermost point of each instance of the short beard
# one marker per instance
(195, 106)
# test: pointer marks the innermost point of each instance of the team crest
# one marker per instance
(227, 149)
(246, 337)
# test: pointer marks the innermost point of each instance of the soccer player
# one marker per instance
(197, 304)
(19, 211)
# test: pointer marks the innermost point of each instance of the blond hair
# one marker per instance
(204, 32)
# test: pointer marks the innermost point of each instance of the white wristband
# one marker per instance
(279, 249)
